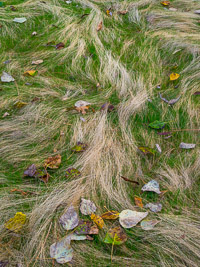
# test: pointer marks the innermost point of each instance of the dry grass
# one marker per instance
(129, 62)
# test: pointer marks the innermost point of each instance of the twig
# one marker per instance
(128, 180)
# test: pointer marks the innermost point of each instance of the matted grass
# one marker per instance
(129, 58)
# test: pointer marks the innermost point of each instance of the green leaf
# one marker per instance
(115, 236)
(147, 150)
(157, 125)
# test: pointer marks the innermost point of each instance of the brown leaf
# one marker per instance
(110, 215)
(100, 25)
(123, 12)
(82, 109)
(138, 202)
(20, 191)
(197, 93)
(53, 162)
(60, 46)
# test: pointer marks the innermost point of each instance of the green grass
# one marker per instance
(129, 58)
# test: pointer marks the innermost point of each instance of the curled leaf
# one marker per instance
(69, 220)
(152, 186)
(110, 215)
(16, 223)
(130, 218)
(98, 220)
(115, 236)
(53, 162)
(87, 207)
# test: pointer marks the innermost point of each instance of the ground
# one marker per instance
(126, 63)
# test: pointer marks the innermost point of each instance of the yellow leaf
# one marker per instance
(138, 202)
(20, 104)
(15, 224)
(110, 215)
(174, 76)
(98, 220)
(30, 72)
(165, 3)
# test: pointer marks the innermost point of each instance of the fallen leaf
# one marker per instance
(72, 173)
(100, 25)
(20, 191)
(16, 223)
(115, 236)
(98, 220)
(187, 146)
(5, 114)
(164, 133)
(20, 104)
(61, 251)
(158, 148)
(19, 20)
(165, 3)
(138, 202)
(170, 102)
(110, 215)
(34, 33)
(60, 46)
(4, 263)
(154, 207)
(79, 147)
(130, 218)
(7, 61)
(108, 107)
(81, 103)
(42, 175)
(86, 228)
(197, 93)
(13, 8)
(146, 150)
(129, 180)
(123, 12)
(30, 73)
(109, 12)
(69, 220)
(82, 109)
(148, 225)
(157, 125)
(53, 162)
(7, 78)
(152, 186)
(174, 76)
(30, 171)
(87, 207)
(37, 62)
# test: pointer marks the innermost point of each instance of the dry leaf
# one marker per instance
(20, 191)
(82, 109)
(37, 62)
(123, 12)
(152, 186)
(187, 146)
(87, 207)
(130, 218)
(53, 162)
(60, 46)
(7, 78)
(165, 3)
(148, 225)
(154, 207)
(110, 215)
(30, 73)
(138, 202)
(98, 220)
(86, 228)
(100, 25)
(69, 220)
(115, 236)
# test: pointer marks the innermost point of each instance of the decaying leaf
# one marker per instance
(174, 76)
(69, 220)
(170, 102)
(115, 236)
(82, 106)
(148, 225)
(16, 223)
(154, 207)
(61, 251)
(165, 3)
(82, 109)
(53, 162)
(30, 73)
(37, 62)
(146, 150)
(79, 147)
(20, 104)
(19, 20)
(72, 173)
(86, 228)
(187, 146)
(110, 215)
(152, 186)
(7, 78)
(164, 133)
(98, 220)
(60, 46)
(138, 202)
(157, 125)
(197, 93)
(100, 25)
(23, 193)
(30, 171)
(42, 175)
(87, 207)
(108, 107)
(130, 218)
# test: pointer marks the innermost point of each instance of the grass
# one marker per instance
(129, 58)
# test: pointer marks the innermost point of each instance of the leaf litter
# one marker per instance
(69, 220)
